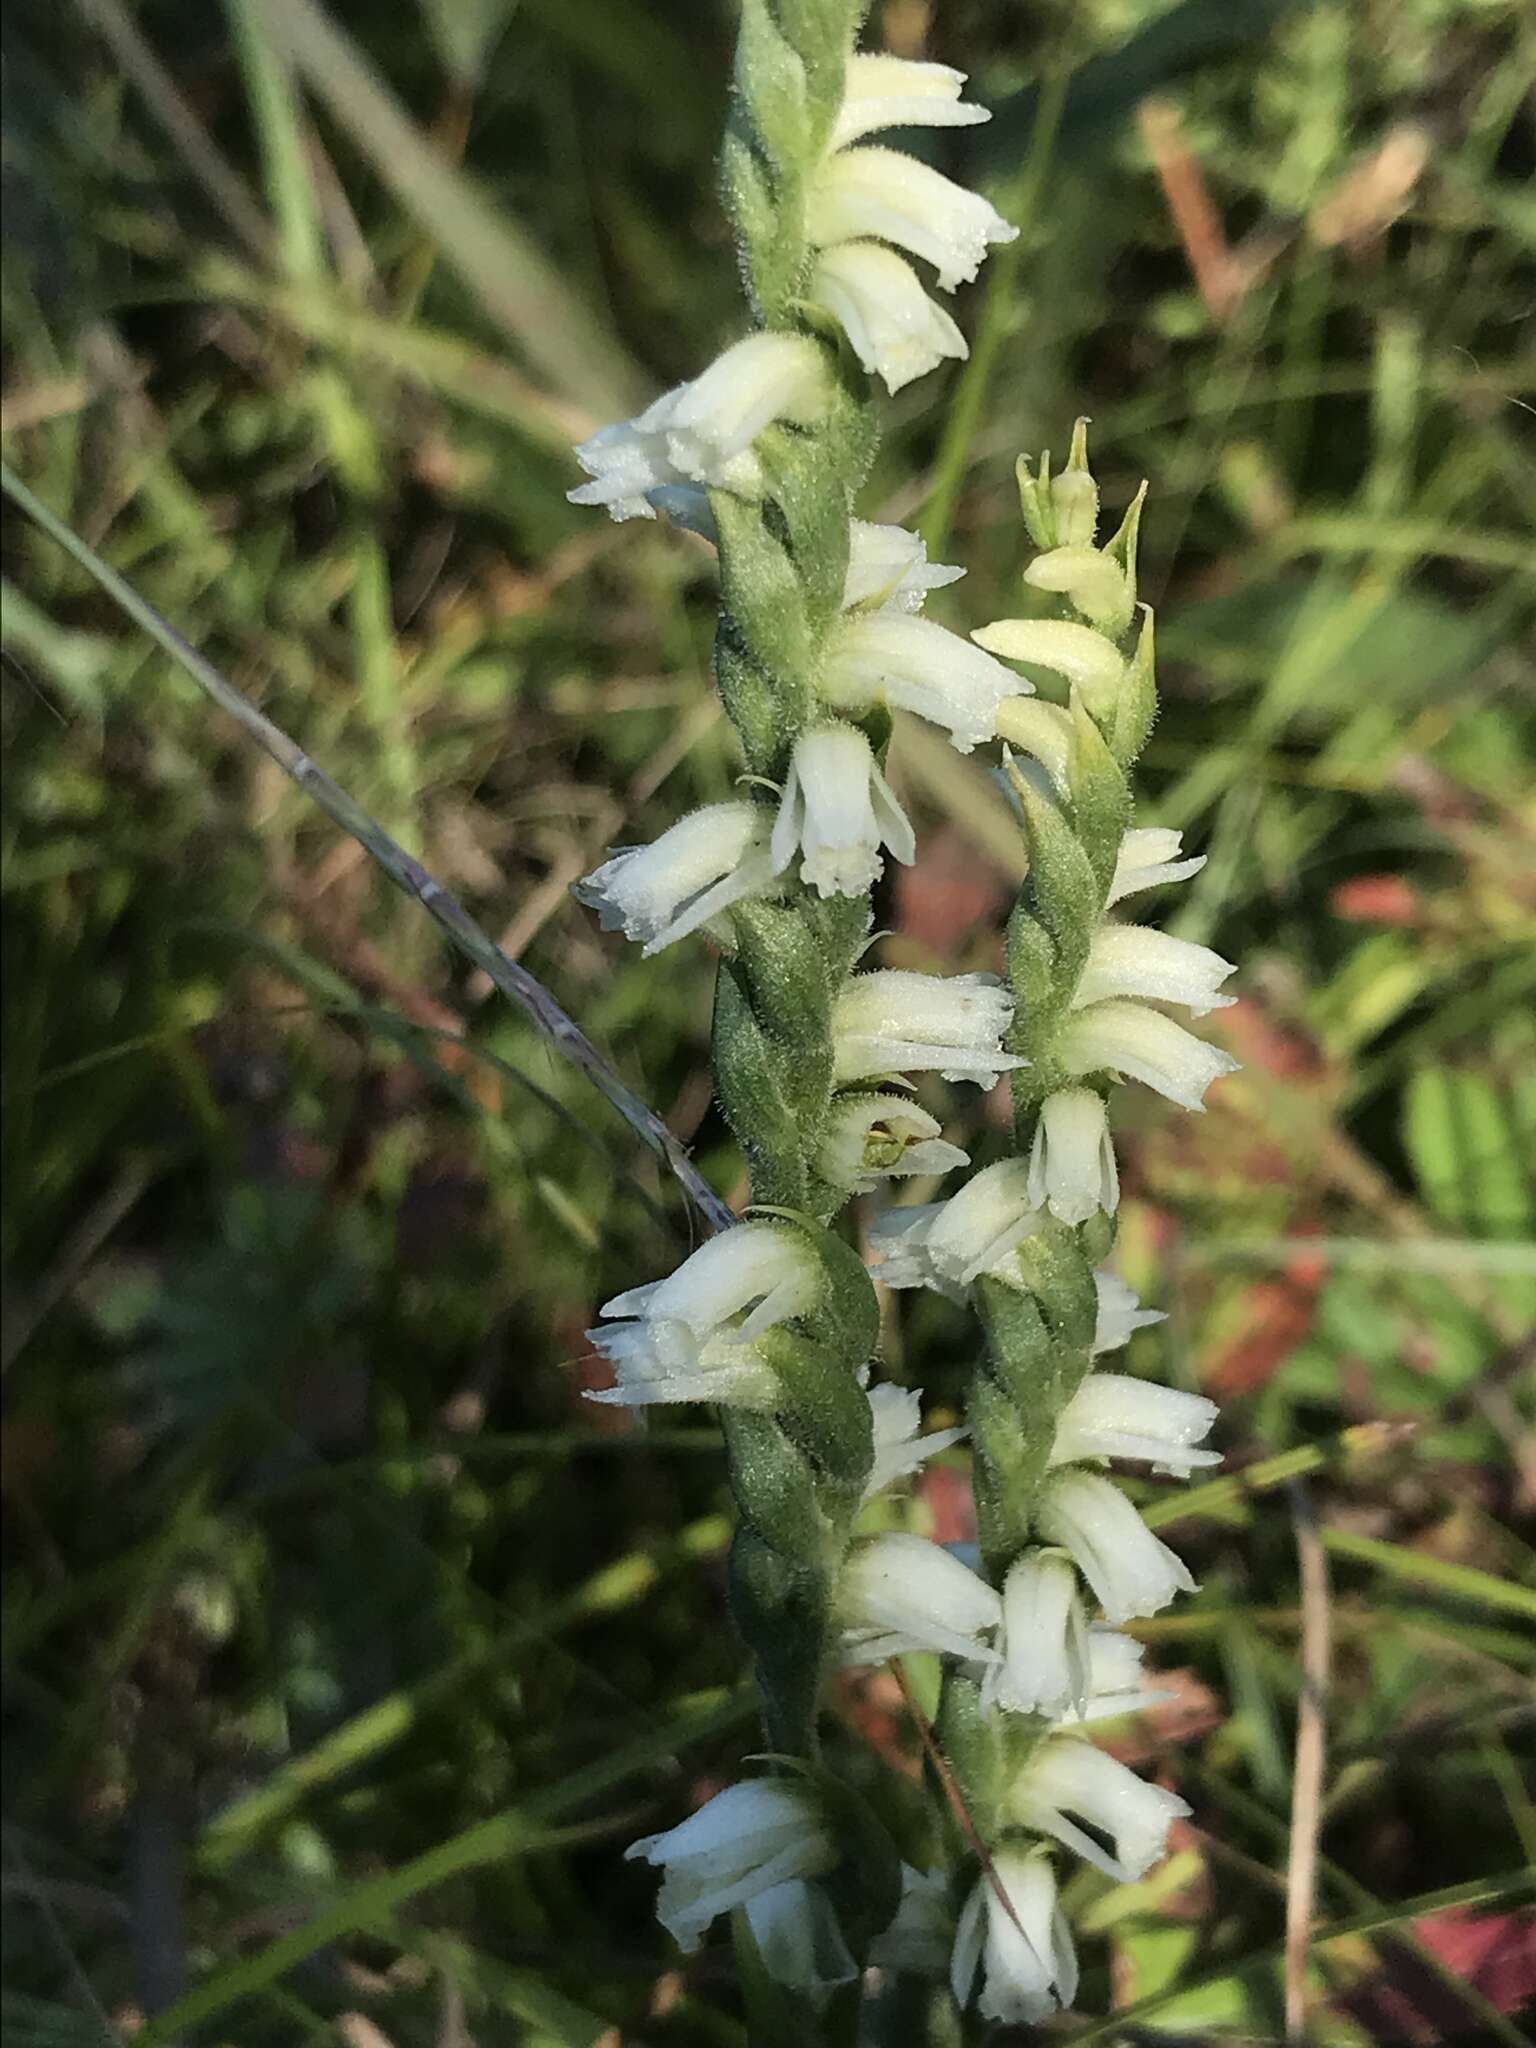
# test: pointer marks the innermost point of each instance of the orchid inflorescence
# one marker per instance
(822, 637)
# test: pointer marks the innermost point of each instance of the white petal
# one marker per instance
(896, 1413)
(727, 1273)
(1028, 1961)
(1135, 960)
(839, 810)
(799, 1940)
(875, 1137)
(746, 1840)
(1126, 1038)
(765, 378)
(1149, 857)
(1115, 1682)
(882, 194)
(1130, 1570)
(1069, 1775)
(1114, 1416)
(902, 1589)
(978, 1227)
(892, 92)
(882, 658)
(648, 890)
(893, 327)
(892, 1021)
(701, 433)
(889, 569)
(1045, 1637)
(1120, 1314)
(1072, 1160)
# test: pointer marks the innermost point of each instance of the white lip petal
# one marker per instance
(1136, 960)
(893, 92)
(1127, 1038)
(889, 569)
(897, 332)
(881, 194)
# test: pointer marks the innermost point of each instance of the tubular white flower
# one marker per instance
(970, 1234)
(1068, 1775)
(1072, 1160)
(1091, 578)
(694, 872)
(714, 419)
(746, 1840)
(892, 1021)
(1045, 1642)
(897, 1416)
(879, 194)
(702, 432)
(1149, 857)
(892, 92)
(869, 1138)
(1114, 1416)
(1029, 1963)
(799, 1940)
(1131, 1572)
(889, 569)
(897, 332)
(882, 658)
(1135, 960)
(1120, 1314)
(1128, 1038)
(689, 1337)
(838, 810)
(899, 1593)
(1067, 648)
(1041, 730)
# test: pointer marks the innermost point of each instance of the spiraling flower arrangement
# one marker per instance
(822, 635)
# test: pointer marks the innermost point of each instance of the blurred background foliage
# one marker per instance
(345, 1646)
